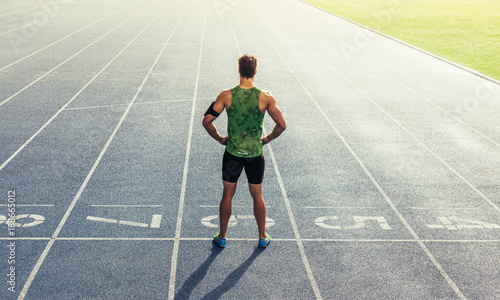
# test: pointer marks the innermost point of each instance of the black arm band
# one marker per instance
(211, 111)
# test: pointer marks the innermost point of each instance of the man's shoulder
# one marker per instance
(225, 95)
(266, 96)
(265, 93)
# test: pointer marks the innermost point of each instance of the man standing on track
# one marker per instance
(245, 105)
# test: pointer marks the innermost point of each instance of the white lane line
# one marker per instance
(67, 36)
(460, 241)
(368, 173)
(31, 205)
(363, 240)
(338, 207)
(168, 101)
(303, 255)
(141, 103)
(5, 163)
(415, 208)
(45, 20)
(111, 239)
(234, 206)
(400, 241)
(25, 238)
(94, 107)
(472, 186)
(98, 160)
(124, 205)
(438, 241)
(175, 250)
(138, 103)
(74, 55)
(445, 208)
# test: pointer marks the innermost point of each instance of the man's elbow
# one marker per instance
(205, 123)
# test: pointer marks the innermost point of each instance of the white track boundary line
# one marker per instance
(45, 20)
(368, 173)
(178, 226)
(478, 74)
(298, 240)
(318, 240)
(96, 163)
(74, 55)
(5, 163)
(67, 36)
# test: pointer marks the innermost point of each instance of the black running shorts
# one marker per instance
(233, 165)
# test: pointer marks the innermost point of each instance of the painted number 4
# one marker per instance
(453, 223)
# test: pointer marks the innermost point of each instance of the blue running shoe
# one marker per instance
(264, 242)
(221, 242)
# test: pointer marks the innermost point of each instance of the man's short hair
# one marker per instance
(248, 64)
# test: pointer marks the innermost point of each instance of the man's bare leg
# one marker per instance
(259, 208)
(225, 208)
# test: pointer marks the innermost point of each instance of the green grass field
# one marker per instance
(464, 31)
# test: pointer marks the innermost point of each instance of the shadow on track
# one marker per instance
(234, 277)
(198, 275)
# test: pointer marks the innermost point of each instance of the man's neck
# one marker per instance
(246, 83)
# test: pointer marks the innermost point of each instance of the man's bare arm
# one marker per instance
(208, 120)
(278, 118)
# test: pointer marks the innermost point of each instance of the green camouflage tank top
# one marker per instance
(244, 123)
